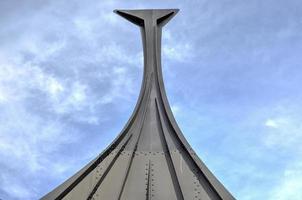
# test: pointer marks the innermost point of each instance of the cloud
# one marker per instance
(27, 143)
(176, 51)
(19, 81)
(272, 123)
(290, 185)
(17, 191)
(175, 109)
(283, 132)
(46, 100)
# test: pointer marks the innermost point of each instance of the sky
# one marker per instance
(70, 74)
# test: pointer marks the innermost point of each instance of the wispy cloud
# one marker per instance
(44, 97)
(176, 51)
(27, 142)
(283, 132)
(290, 185)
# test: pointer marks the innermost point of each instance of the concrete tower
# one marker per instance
(150, 158)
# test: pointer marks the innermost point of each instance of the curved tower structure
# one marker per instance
(150, 158)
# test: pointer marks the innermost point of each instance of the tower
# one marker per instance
(150, 158)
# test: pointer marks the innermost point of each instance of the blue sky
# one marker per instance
(70, 73)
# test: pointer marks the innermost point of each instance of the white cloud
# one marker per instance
(3, 95)
(85, 27)
(74, 99)
(176, 49)
(29, 140)
(16, 189)
(117, 53)
(23, 134)
(54, 87)
(175, 109)
(290, 186)
(20, 81)
(26, 142)
(36, 44)
(113, 19)
(283, 132)
(271, 123)
(121, 86)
